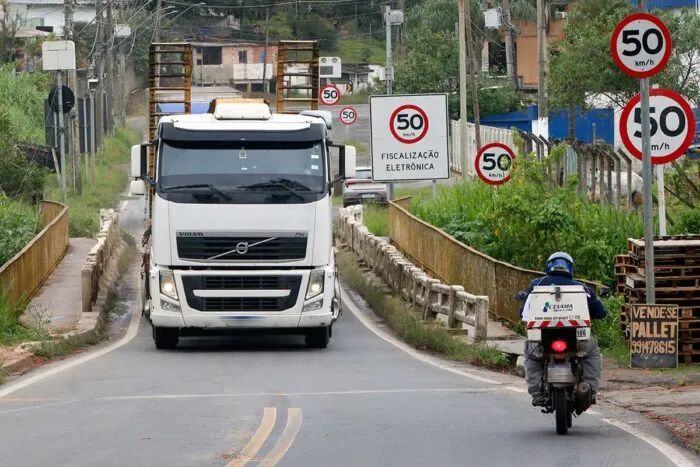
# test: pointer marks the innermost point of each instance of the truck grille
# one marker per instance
(192, 283)
(242, 248)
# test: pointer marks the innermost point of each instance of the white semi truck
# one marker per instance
(240, 212)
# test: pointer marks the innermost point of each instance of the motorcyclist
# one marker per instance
(560, 271)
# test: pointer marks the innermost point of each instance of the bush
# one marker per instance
(19, 223)
(522, 222)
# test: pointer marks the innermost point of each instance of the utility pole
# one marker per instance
(109, 47)
(647, 178)
(99, 72)
(541, 47)
(71, 128)
(156, 36)
(267, 39)
(510, 71)
(462, 30)
(473, 70)
(389, 66)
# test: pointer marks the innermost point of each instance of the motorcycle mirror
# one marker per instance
(521, 296)
(606, 292)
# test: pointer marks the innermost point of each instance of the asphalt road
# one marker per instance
(270, 401)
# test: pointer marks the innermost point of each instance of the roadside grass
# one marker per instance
(356, 50)
(11, 330)
(408, 325)
(695, 445)
(376, 219)
(111, 177)
(354, 99)
(55, 348)
(19, 223)
(361, 149)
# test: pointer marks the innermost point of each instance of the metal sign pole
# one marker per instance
(647, 177)
(389, 71)
(61, 134)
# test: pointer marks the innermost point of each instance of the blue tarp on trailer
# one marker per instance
(197, 108)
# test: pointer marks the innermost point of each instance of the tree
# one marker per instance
(582, 66)
(9, 25)
(432, 65)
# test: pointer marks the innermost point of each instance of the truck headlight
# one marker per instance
(315, 287)
(167, 285)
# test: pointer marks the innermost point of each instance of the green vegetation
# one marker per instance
(523, 222)
(111, 176)
(21, 120)
(376, 219)
(432, 65)
(353, 49)
(586, 47)
(19, 223)
(408, 325)
(11, 331)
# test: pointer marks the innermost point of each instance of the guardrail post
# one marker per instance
(482, 318)
(452, 305)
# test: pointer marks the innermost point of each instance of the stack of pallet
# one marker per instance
(677, 280)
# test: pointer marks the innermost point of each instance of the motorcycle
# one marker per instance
(558, 321)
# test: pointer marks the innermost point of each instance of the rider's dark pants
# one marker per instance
(534, 368)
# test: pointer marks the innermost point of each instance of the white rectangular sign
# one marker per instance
(409, 137)
(58, 55)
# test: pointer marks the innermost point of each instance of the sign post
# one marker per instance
(641, 47)
(654, 336)
(348, 116)
(59, 56)
(409, 137)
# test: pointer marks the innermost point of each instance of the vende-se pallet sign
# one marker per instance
(409, 137)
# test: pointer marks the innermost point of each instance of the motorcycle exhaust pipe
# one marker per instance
(583, 397)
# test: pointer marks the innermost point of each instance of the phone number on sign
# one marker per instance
(653, 347)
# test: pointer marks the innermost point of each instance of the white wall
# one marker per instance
(51, 15)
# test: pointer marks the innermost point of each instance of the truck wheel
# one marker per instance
(318, 338)
(165, 338)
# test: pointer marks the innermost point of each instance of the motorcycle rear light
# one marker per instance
(559, 346)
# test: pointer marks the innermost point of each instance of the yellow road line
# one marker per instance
(289, 433)
(258, 439)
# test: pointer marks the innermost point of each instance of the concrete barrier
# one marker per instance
(448, 303)
(95, 275)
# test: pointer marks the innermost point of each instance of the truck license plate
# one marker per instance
(368, 195)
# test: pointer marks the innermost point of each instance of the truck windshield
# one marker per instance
(233, 168)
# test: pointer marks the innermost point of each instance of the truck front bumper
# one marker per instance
(242, 300)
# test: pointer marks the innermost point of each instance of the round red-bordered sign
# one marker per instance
(634, 50)
(409, 124)
(330, 94)
(494, 163)
(348, 115)
(669, 140)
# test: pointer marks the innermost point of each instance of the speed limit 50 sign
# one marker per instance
(494, 163)
(672, 126)
(330, 94)
(641, 45)
(409, 137)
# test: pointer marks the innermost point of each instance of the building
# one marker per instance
(49, 13)
(237, 64)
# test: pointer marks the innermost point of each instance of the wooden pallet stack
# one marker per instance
(677, 279)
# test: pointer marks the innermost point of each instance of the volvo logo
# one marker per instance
(242, 248)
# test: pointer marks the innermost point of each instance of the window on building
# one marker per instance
(242, 56)
(211, 55)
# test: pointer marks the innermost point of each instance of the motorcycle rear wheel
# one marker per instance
(561, 411)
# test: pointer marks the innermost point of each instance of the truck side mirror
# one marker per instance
(349, 162)
(139, 161)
